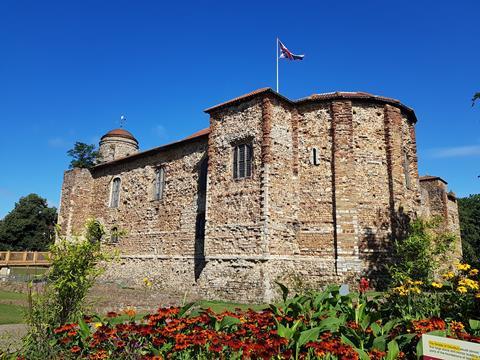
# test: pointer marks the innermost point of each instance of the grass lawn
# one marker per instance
(11, 307)
(11, 314)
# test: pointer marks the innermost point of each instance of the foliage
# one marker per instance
(318, 324)
(455, 296)
(475, 97)
(29, 226)
(75, 264)
(83, 155)
(469, 211)
(418, 255)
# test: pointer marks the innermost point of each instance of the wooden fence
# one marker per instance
(24, 258)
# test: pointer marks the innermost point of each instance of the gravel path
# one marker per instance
(10, 336)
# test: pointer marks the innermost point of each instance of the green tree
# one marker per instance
(469, 211)
(83, 155)
(29, 226)
(475, 97)
(421, 252)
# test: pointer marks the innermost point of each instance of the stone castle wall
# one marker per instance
(334, 181)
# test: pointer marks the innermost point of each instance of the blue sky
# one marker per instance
(69, 69)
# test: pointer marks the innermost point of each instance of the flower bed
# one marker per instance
(325, 325)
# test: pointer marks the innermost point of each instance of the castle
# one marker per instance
(314, 189)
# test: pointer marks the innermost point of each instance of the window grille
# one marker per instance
(159, 183)
(115, 199)
(242, 161)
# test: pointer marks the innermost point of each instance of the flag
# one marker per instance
(286, 54)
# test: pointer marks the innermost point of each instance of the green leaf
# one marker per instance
(84, 329)
(393, 350)
(474, 324)
(347, 341)
(362, 354)
(380, 342)
(419, 349)
(331, 324)
(307, 336)
(284, 289)
(228, 321)
(185, 308)
(377, 330)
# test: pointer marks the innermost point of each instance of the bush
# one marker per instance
(75, 264)
(419, 254)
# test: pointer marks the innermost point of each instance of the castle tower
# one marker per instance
(117, 143)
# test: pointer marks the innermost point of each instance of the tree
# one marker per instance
(475, 97)
(83, 155)
(29, 226)
(469, 211)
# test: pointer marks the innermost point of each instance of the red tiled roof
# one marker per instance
(319, 97)
(154, 150)
(431, 178)
(120, 133)
(202, 132)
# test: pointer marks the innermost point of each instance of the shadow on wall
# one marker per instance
(202, 170)
(376, 261)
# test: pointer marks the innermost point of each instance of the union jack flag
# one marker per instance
(287, 54)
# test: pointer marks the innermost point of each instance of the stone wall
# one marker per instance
(334, 181)
(75, 201)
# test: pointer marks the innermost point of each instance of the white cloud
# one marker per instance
(455, 151)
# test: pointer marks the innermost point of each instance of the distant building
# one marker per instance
(274, 190)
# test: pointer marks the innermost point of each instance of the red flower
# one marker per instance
(364, 285)
(75, 349)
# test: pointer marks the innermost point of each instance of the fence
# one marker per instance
(24, 258)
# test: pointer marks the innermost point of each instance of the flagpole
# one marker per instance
(276, 56)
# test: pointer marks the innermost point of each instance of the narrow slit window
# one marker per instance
(114, 235)
(159, 183)
(115, 199)
(315, 160)
(406, 170)
(242, 161)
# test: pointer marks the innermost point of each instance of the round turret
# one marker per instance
(116, 144)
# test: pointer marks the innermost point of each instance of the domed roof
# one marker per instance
(119, 133)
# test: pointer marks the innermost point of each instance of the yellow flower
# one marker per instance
(473, 272)
(462, 289)
(477, 296)
(415, 290)
(97, 324)
(437, 285)
(448, 275)
(472, 284)
(147, 282)
(401, 290)
(463, 267)
(456, 326)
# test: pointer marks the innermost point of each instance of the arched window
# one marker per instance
(114, 235)
(159, 184)
(115, 197)
(242, 161)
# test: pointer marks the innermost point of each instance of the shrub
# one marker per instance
(418, 255)
(75, 264)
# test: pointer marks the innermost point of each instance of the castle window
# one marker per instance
(315, 157)
(115, 198)
(406, 170)
(114, 235)
(242, 161)
(159, 183)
